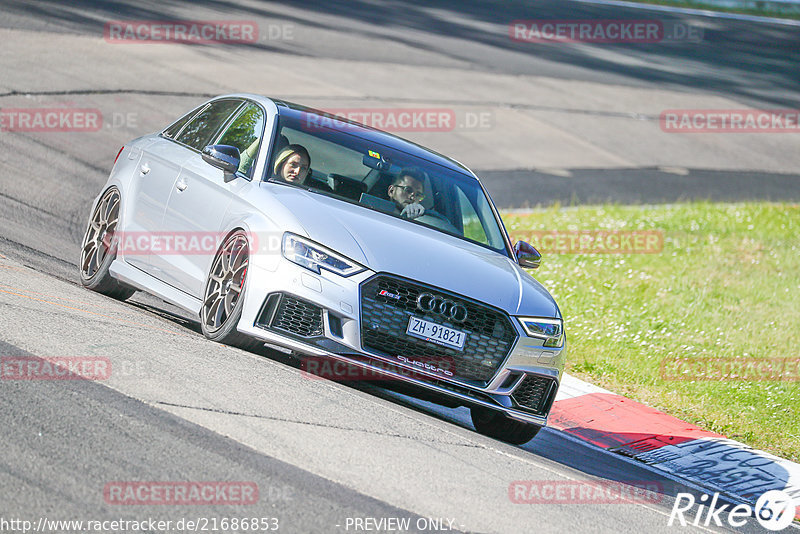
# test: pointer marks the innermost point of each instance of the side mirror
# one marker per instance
(223, 157)
(527, 255)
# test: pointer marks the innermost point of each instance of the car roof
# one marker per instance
(368, 133)
(298, 111)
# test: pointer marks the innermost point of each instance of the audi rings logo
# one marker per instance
(447, 308)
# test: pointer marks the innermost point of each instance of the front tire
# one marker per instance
(99, 248)
(222, 298)
(497, 425)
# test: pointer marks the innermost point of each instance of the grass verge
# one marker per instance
(726, 285)
(761, 12)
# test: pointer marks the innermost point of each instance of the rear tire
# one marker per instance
(222, 297)
(497, 425)
(100, 248)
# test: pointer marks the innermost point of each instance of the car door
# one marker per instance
(198, 204)
(158, 167)
(164, 161)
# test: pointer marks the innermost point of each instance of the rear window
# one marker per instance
(175, 128)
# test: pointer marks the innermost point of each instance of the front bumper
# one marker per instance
(527, 369)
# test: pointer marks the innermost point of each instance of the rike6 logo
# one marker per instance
(774, 510)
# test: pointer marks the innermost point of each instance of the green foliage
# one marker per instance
(726, 285)
(766, 9)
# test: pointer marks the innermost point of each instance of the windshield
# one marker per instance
(336, 163)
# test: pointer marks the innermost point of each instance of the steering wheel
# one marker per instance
(437, 220)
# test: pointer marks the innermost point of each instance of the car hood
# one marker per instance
(387, 244)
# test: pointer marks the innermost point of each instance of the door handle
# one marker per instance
(144, 169)
(181, 185)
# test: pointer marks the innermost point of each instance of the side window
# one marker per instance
(473, 228)
(245, 134)
(199, 131)
(172, 130)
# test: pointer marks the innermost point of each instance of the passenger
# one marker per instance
(248, 158)
(292, 164)
(407, 191)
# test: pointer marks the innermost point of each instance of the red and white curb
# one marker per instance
(667, 444)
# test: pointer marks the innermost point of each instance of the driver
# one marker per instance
(407, 191)
(292, 164)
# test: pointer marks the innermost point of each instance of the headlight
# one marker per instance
(314, 257)
(551, 330)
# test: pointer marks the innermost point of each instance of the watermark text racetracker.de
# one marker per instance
(63, 119)
(149, 524)
(585, 492)
(54, 368)
(180, 493)
(407, 366)
(594, 241)
(77, 368)
(730, 369)
(730, 120)
(195, 31)
(400, 119)
(603, 31)
(54, 119)
(189, 243)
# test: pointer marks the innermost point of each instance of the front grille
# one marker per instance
(534, 393)
(293, 315)
(384, 319)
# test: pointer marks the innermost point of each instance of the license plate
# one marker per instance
(436, 333)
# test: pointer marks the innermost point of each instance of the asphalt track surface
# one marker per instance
(569, 124)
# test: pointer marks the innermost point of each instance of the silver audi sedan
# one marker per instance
(279, 225)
